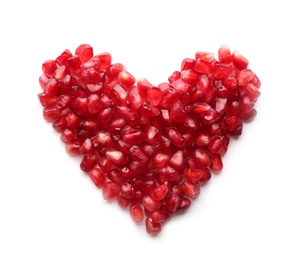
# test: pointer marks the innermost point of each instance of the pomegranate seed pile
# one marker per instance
(150, 147)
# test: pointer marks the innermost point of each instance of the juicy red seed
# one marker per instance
(51, 114)
(159, 216)
(87, 146)
(183, 205)
(137, 213)
(202, 67)
(94, 104)
(190, 189)
(177, 112)
(224, 54)
(114, 176)
(217, 145)
(187, 64)
(206, 175)
(113, 70)
(168, 174)
(181, 86)
(110, 191)
(137, 154)
(160, 192)
(170, 96)
(63, 101)
(98, 177)
(239, 60)
(115, 156)
(49, 68)
(222, 70)
(205, 56)
(202, 139)
(73, 148)
(63, 57)
(47, 101)
(150, 204)
(127, 190)
(176, 138)
(216, 163)
(51, 87)
(73, 64)
(88, 162)
(177, 160)
(80, 105)
(192, 175)
(172, 202)
(160, 159)
(151, 227)
(126, 79)
(84, 52)
(252, 92)
(201, 156)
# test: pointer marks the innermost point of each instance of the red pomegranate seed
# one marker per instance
(168, 174)
(183, 205)
(51, 114)
(159, 193)
(206, 175)
(151, 227)
(187, 64)
(239, 60)
(98, 177)
(110, 191)
(216, 163)
(84, 52)
(150, 204)
(191, 190)
(148, 146)
(224, 54)
(159, 216)
(49, 68)
(88, 162)
(172, 202)
(105, 59)
(127, 190)
(192, 175)
(137, 213)
(202, 67)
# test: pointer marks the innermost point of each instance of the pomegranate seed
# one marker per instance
(172, 202)
(159, 193)
(151, 227)
(137, 213)
(127, 190)
(115, 156)
(51, 114)
(98, 177)
(88, 162)
(84, 52)
(105, 59)
(49, 68)
(110, 191)
(202, 67)
(191, 190)
(192, 175)
(239, 60)
(216, 163)
(148, 146)
(150, 204)
(183, 205)
(224, 54)
(159, 216)
(63, 57)
(187, 64)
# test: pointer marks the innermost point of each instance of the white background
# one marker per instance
(252, 210)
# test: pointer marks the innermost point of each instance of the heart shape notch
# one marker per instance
(149, 147)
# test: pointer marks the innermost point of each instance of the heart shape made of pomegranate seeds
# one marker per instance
(149, 147)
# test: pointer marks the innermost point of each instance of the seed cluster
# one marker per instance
(150, 147)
